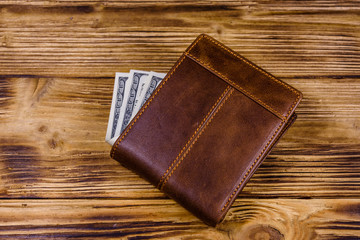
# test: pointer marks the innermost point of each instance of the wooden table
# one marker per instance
(57, 65)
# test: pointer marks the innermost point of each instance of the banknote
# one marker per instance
(117, 102)
(121, 109)
(131, 90)
(136, 78)
(155, 79)
(147, 88)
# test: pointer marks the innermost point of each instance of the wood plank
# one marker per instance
(53, 129)
(54, 41)
(331, 5)
(142, 219)
(57, 63)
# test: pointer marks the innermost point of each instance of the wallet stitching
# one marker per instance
(222, 47)
(266, 106)
(228, 92)
(262, 152)
(160, 185)
(251, 64)
(150, 100)
(247, 173)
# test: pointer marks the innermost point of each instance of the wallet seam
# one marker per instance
(252, 165)
(164, 176)
(225, 96)
(251, 96)
(259, 156)
(283, 130)
(235, 54)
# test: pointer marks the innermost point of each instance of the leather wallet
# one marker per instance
(207, 128)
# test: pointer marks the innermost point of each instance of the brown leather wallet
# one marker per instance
(207, 128)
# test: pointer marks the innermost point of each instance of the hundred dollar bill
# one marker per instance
(147, 88)
(155, 79)
(131, 90)
(116, 104)
(135, 77)
(143, 83)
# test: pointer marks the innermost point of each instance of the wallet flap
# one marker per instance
(259, 85)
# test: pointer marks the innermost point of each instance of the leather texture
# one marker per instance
(207, 128)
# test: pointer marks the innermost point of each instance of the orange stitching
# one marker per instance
(283, 119)
(152, 97)
(292, 106)
(242, 89)
(193, 45)
(197, 137)
(262, 151)
(223, 47)
(247, 173)
(249, 63)
(280, 125)
(182, 150)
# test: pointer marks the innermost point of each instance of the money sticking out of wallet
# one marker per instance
(131, 91)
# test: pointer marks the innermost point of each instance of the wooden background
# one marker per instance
(57, 64)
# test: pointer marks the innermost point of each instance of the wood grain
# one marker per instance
(57, 63)
(144, 219)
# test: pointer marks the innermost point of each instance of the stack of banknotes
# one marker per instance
(131, 91)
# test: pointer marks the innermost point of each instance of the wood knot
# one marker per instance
(265, 232)
(43, 129)
(255, 232)
(52, 143)
(6, 40)
(218, 29)
(55, 142)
